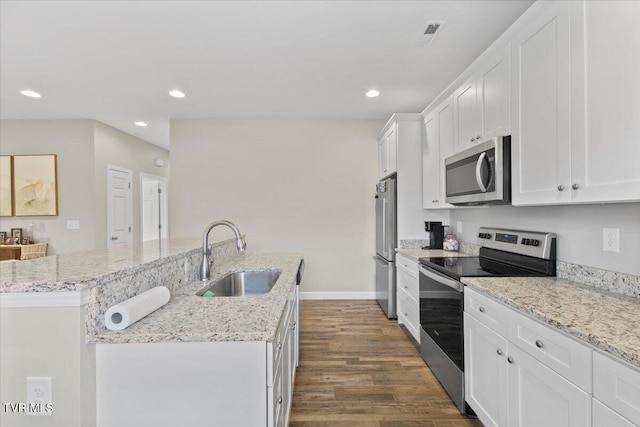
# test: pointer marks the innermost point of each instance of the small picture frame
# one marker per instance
(3, 237)
(26, 241)
(16, 233)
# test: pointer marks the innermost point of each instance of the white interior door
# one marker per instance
(119, 206)
(153, 207)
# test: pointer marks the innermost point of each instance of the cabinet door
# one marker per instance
(606, 102)
(485, 366)
(391, 140)
(444, 114)
(541, 109)
(493, 98)
(605, 417)
(383, 159)
(466, 117)
(540, 397)
(430, 163)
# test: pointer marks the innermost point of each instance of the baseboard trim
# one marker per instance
(337, 295)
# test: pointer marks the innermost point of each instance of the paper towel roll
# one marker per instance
(128, 312)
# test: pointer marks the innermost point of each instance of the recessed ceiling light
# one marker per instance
(30, 93)
(141, 124)
(372, 93)
(176, 93)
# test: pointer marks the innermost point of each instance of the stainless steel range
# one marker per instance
(506, 253)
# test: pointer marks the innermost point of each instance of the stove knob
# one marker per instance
(535, 242)
(526, 242)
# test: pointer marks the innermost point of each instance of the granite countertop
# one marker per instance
(191, 318)
(607, 321)
(87, 269)
(415, 254)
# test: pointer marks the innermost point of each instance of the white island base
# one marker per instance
(182, 384)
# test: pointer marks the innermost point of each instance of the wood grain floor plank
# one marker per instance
(357, 368)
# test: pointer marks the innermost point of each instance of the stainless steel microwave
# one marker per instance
(480, 175)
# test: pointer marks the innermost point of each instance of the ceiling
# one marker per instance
(115, 61)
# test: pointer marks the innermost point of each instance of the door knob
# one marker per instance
(510, 359)
(539, 344)
(575, 186)
(560, 187)
(478, 137)
(499, 352)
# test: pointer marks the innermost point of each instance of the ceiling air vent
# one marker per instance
(429, 35)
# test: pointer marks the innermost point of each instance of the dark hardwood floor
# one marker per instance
(357, 368)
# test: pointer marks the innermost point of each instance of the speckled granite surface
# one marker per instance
(188, 317)
(415, 254)
(85, 270)
(620, 283)
(607, 321)
(413, 243)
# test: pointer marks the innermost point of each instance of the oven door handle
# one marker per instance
(454, 284)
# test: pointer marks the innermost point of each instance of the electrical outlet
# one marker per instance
(39, 396)
(73, 224)
(611, 239)
(459, 227)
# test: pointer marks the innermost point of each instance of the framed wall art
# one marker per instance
(6, 186)
(35, 185)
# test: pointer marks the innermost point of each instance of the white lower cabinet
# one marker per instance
(407, 295)
(606, 417)
(528, 375)
(485, 380)
(282, 365)
(540, 397)
(617, 386)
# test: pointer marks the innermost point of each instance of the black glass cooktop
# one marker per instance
(474, 267)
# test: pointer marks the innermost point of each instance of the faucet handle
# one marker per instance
(241, 244)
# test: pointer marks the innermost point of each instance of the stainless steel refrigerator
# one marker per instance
(386, 245)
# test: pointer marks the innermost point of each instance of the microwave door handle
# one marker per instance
(479, 172)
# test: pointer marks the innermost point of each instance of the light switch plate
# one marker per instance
(73, 224)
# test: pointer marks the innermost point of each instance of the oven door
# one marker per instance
(441, 306)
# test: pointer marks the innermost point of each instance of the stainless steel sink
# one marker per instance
(245, 283)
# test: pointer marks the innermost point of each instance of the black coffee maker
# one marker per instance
(436, 234)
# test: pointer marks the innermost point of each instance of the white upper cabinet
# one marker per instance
(436, 146)
(575, 104)
(481, 105)
(605, 151)
(388, 152)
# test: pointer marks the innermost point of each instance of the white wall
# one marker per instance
(84, 148)
(72, 141)
(579, 230)
(290, 185)
(113, 147)
(49, 342)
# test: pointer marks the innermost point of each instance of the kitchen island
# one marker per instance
(241, 345)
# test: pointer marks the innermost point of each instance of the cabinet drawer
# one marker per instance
(407, 265)
(605, 417)
(275, 399)
(617, 386)
(490, 312)
(274, 349)
(409, 314)
(408, 284)
(557, 351)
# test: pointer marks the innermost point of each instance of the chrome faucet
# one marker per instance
(206, 252)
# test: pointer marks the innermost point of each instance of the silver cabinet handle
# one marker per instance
(575, 186)
(280, 400)
(510, 359)
(473, 139)
(560, 187)
(114, 237)
(499, 352)
(478, 137)
(481, 309)
(279, 346)
(539, 344)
